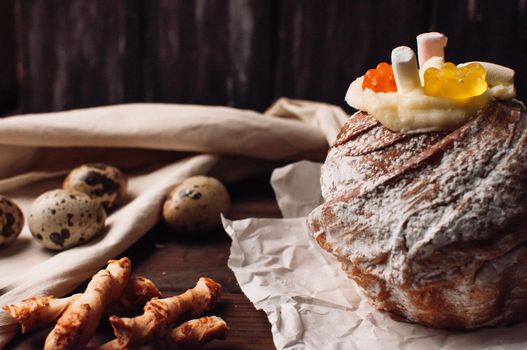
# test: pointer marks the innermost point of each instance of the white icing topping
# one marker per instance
(414, 111)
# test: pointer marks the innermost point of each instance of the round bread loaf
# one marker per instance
(432, 226)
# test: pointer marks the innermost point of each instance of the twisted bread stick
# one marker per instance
(160, 313)
(80, 319)
(196, 333)
(189, 335)
(136, 294)
(37, 312)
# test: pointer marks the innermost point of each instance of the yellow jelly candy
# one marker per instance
(455, 83)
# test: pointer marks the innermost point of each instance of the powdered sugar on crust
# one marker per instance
(413, 216)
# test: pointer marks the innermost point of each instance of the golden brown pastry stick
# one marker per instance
(189, 335)
(136, 294)
(37, 312)
(160, 313)
(196, 333)
(80, 319)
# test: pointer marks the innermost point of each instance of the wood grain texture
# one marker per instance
(8, 77)
(209, 52)
(175, 263)
(493, 31)
(78, 53)
(242, 53)
(323, 46)
(248, 328)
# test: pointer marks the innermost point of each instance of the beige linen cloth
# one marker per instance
(158, 145)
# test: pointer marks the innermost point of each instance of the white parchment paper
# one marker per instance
(309, 301)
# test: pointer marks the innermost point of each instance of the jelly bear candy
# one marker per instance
(455, 83)
(380, 79)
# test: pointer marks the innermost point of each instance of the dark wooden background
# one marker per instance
(58, 54)
(63, 54)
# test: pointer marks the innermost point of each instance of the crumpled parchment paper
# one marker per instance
(308, 299)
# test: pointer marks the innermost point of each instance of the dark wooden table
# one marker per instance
(175, 263)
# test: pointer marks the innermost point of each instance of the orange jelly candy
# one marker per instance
(380, 79)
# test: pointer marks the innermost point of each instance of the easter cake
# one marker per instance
(425, 198)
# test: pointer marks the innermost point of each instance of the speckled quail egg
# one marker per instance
(11, 221)
(195, 205)
(60, 219)
(104, 183)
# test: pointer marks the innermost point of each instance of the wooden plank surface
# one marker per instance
(323, 46)
(209, 52)
(242, 53)
(493, 31)
(8, 77)
(78, 53)
(175, 263)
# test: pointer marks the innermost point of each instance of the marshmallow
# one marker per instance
(430, 45)
(405, 69)
(503, 92)
(496, 74)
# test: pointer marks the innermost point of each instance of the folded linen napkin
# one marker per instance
(158, 145)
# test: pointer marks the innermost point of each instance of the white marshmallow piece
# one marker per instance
(430, 45)
(405, 70)
(496, 74)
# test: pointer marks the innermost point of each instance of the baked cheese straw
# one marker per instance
(136, 294)
(80, 319)
(37, 312)
(190, 335)
(160, 313)
(194, 334)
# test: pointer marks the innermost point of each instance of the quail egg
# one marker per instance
(104, 183)
(11, 221)
(195, 205)
(60, 219)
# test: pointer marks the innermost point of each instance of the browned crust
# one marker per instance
(81, 318)
(161, 313)
(194, 334)
(467, 299)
